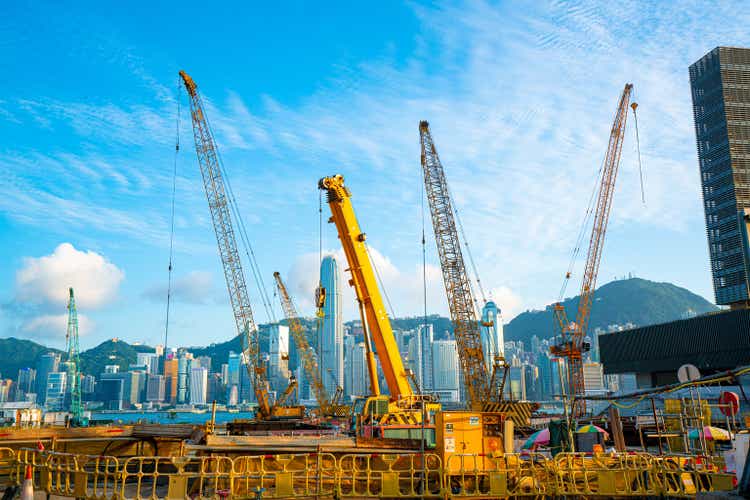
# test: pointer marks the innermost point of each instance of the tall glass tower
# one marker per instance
(491, 333)
(720, 84)
(331, 342)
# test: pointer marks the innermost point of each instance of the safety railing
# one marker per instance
(367, 476)
(405, 475)
(284, 476)
(7, 466)
(498, 476)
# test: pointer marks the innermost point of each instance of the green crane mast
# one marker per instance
(74, 362)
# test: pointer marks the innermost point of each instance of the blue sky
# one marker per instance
(520, 97)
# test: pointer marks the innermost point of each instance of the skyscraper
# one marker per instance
(26, 383)
(48, 363)
(54, 399)
(445, 369)
(720, 84)
(491, 333)
(198, 385)
(331, 355)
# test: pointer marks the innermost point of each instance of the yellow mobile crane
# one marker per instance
(218, 203)
(399, 414)
(328, 408)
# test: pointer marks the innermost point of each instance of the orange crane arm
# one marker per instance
(571, 345)
(455, 277)
(365, 285)
(213, 182)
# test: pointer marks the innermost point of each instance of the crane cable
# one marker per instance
(171, 230)
(244, 239)
(634, 106)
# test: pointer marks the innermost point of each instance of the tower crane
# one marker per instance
(570, 344)
(218, 204)
(482, 387)
(402, 406)
(307, 355)
(74, 363)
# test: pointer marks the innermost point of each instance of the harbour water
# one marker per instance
(166, 417)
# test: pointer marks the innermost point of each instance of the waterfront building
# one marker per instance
(54, 399)
(149, 360)
(233, 378)
(593, 378)
(48, 363)
(215, 390)
(88, 387)
(6, 390)
(111, 389)
(360, 378)
(517, 381)
(720, 84)
(170, 379)
(25, 383)
(155, 388)
(331, 336)
(198, 385)
(183, 370)
(204, 361)
(491, 333)
(278, 355)
(445, 370)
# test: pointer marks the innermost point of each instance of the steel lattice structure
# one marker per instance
(74, 361)
(571, 345)
(455, 277)
(213, 181)
(307, 355)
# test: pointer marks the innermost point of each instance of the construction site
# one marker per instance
(396, 441)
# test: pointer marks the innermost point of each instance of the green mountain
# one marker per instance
(19, 353)
(635, 300)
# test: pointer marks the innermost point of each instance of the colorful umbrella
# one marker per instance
(592, 428)
(711, 433)
(539, 438)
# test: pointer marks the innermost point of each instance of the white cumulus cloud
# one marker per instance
(45, 280)
(54, 326)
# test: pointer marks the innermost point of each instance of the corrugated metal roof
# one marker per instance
(718, 341)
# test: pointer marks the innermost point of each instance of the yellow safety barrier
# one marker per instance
(7, 466)
(390, 475)
(501, 476)
(376, 476)
(176, 477)
(605, 474)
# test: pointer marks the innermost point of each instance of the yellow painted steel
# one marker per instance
(364, 281)
(368, 475)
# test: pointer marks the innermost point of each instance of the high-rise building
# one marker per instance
(360, 378)
(517, 381)
(6, 390)
(170, 379)
(155, 388)
(198, 385)
(88, 387)
(331, 341)
(593, 378)
(491, 333)
(183, 370)
(54, 399)
(278, 356)
(25, 383)
(720, 84)
(48, 363)
(445, 374)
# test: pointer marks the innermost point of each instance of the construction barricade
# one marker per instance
(389, 475)
(366, 476)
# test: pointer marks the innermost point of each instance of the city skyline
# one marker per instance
(88, 166)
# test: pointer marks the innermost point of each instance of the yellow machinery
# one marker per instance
(400, 413)
(328, 408)
(216, 193)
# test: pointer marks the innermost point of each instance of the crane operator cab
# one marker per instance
(403, 423)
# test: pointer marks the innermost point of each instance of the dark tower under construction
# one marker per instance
(720, 84)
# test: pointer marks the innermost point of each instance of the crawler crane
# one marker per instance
(328, 408)
(570, 341)
(218, 204)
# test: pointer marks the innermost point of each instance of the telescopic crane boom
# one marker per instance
(213, 182)
(571, 339)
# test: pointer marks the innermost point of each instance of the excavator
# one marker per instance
(218, 204)
(329, 408)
